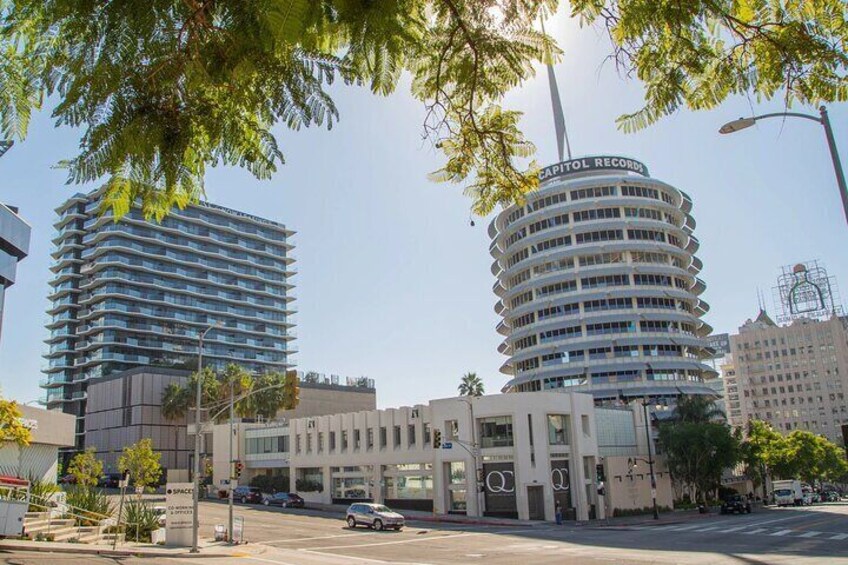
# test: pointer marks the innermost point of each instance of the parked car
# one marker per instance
(284, 499)
(374, 516)
(109, 480)
(247, 495)
(736, 503)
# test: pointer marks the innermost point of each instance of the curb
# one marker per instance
(45, 547)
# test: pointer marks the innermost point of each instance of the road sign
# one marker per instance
(447, 445)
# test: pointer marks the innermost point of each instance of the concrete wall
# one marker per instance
(530, 453)
(629, 488)
(320, 400)
(39, 460)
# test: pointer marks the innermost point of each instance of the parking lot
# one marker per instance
(817, 534)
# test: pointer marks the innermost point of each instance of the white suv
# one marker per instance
(374, 516)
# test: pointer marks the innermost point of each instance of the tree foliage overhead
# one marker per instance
(162, 89)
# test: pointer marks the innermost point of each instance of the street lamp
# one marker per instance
(742, 123)
(651, 462)
(195, 526)
(475, 452)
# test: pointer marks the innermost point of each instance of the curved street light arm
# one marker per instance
(787, 115)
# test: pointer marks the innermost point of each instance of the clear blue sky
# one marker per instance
(394, 284)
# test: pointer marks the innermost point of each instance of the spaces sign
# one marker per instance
(585, 164)
(179, 513)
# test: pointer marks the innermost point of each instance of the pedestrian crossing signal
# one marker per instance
(437, 439)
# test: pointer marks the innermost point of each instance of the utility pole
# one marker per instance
(232, 465)
(651, 462)
(197, 437)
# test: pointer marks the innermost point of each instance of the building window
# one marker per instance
(452, 430)
(584, 423)
(320, 442)
(369, 439)
(496, 431)
(384, 440)
(427, 440)
(558, 429)
(410, 434)
(344, 440)
(357, 444)
(396, 437)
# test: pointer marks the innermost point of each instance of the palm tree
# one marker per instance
(697, 409)
(176, 400)
(471, 385)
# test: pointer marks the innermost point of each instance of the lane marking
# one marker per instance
(269, 560)
(839, 537)
(810, 534)
(416, 540)
(711, 528)
(781, 533)
(756, 531)
(293, 540)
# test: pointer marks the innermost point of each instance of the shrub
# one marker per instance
(40, 493)
(304, 485)
(619, 512)
(276, 483)
(140, 520)
(88, 505)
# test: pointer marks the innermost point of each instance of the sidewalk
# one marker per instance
(208, 549)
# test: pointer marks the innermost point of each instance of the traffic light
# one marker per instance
(599, 471)
(481, 480)
(238, 466)
(291, 390)
(437, 439)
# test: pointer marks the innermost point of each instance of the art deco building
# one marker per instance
(134, 293)
(795, 376)
(598, 287)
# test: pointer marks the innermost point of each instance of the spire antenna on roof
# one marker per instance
(559, 116)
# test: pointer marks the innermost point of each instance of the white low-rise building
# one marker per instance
(524, 452)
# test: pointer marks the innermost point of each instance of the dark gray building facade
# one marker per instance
(14, 246)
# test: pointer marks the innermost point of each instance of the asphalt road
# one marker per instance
(812, 535)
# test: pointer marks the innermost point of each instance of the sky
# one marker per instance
(395, 284)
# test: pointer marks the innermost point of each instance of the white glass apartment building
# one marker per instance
(598, 287)
(135, 292)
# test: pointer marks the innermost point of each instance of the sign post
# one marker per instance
(179, 513)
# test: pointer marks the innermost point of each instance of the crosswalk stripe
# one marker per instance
(839, 537)
(707, 529)
(728, 530)
(810, 534)
(781, 533)
(684, 528)
(756, 531)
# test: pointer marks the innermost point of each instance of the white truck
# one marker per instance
(787, 493)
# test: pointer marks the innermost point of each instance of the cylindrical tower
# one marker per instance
(598, 287)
